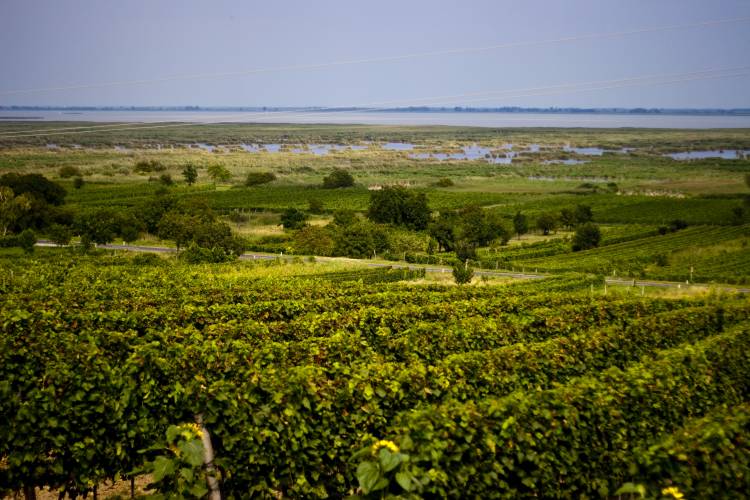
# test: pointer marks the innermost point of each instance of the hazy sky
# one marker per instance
(49, 43)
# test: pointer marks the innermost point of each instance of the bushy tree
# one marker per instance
(462, 273)
(59, 234)
(586, 236)
(68, 171)
(190, 174)
(339, 178)
(399, 206)
(314, 240)
(99, 226)
(315, 206)
(583, 214)
(12, 208)
(344, 218)
(361, 239)
(293, 218)
(27, 240)
(219, 173)
(35, 185)
(520, 224)
(546, 222)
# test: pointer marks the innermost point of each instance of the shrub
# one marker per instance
(293, 218)
(69, 171)
(166, 179)
(148, 166)
(445, 182)
(339, 178)
(190, 173)
(462, 272)
(315, 206)
(258, 178)
(587, 236)
(78, 182)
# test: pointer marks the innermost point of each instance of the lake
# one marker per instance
(393, 118)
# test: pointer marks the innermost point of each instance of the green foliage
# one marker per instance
(297, 373)
(546, 222)
(27, 240)
(59, 234)
(166, 179)
(196, 254)
(385, 471)
(293, 218)
(708, 457)
(36, 186)
(315, 206)
(520, 224)
(361, 239)
(399, 206)
(258, 178)
(314, 240)
(69, 171)
(462, 273)
(587, 236)
(218, 173)
(338, 178)
(148, 166)
(583, 214)
(78, 182)
(444, 182)
(190, 174)
(177, 470)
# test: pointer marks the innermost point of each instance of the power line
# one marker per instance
(415, 55)
(539, 91)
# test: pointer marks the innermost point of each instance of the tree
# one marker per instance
(12, 208)
(27, 240)
(219, 173)
(399, 206)
(190, 173)
(586, 236)
(360, 240)
(344, 218)
(99, 226)
(78, 182)
(583, 214)
(546, 222)
(442, 229)
(462, 273)
(520, 224)
(35, 185)
(293, 218)
(315, 206)
(738, 216)
(567, 218)
(339, 178)
(177, 227)
(313, 240)
(59, 234)
(166, 179)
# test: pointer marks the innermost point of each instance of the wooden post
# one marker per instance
(208, 460)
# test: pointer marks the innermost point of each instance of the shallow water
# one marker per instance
(726, 154)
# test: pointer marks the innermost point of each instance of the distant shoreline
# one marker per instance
(456, 110)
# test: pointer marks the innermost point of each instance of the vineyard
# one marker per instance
(550, 388)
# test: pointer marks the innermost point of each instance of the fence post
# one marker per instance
(208, 461)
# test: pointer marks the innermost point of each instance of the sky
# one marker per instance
(53, 43)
